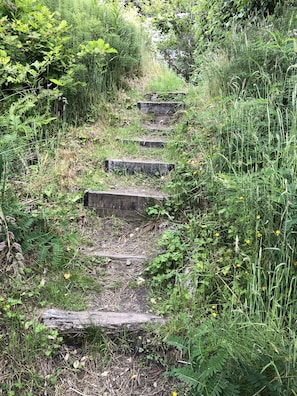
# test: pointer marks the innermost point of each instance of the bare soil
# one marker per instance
(134, 364)
(125, 248)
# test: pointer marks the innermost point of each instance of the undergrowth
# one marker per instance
(227, 268)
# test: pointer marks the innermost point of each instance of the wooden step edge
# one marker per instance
(72, 322)
(145, 142)
(118, 193)
(163, 109)
(155, 95)
(131, 167)
(125, 205)
(115, 256)
(169, 103)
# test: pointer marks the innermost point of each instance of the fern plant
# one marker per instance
(229, 356)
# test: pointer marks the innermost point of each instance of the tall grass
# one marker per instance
(167, 81)
(251, 179)
(241, 245)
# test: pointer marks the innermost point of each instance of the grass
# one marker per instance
(168, 81)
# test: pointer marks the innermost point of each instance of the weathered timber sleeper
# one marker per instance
(70, 322)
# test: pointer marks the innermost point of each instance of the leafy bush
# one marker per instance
(89, 21)
(189, 29)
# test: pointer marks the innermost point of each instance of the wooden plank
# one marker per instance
(131, 167)
(125, 205)
(116, 257)
(71, 322)
(160, 108)
(146, 142)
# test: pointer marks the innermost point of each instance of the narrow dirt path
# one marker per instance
(120, 240)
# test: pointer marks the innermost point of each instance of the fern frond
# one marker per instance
(186, 375)
(178, 342)
(215, 363)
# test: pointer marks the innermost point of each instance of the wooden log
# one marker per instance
(70, 322)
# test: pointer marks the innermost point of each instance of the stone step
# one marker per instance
(146, 142)
(160, 108)
(125, 205)
(156, 96)
(132, 167)
(71, 322)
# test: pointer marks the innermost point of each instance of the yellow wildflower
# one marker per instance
(277, 232)
(258, 217)
(174, 393)
(241, 198)
(217, 234)
(203, 226)
(214, 314)
(259, 234)
(213, 307)
(238, 265)
(67, 275)
(248, 241)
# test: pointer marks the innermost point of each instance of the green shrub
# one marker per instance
(89, 21)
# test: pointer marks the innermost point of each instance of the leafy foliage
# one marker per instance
(90, 21)
(189, 29)
(228, 357)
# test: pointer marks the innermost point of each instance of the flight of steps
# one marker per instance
(159, 112)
